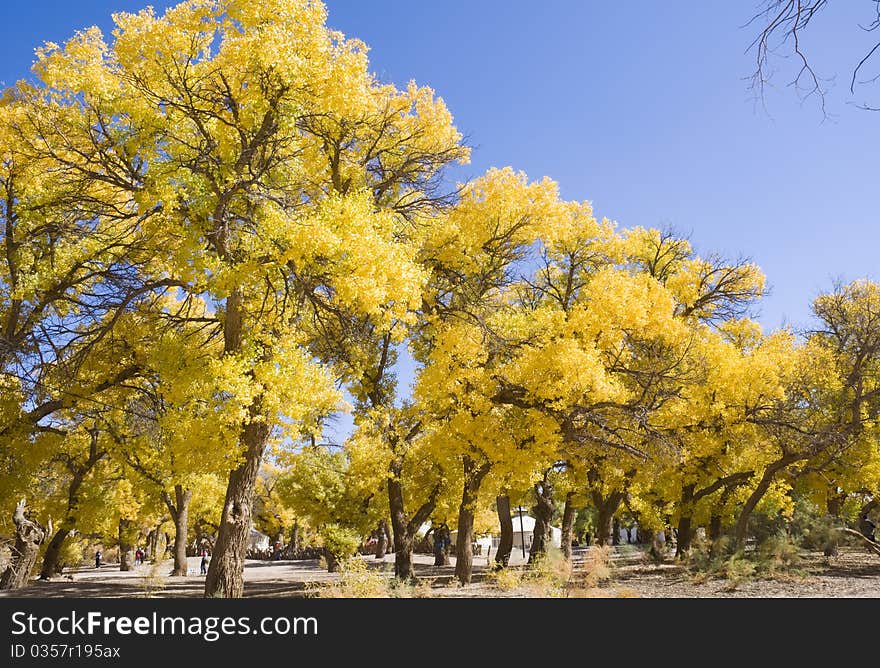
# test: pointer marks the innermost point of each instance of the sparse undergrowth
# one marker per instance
(552, 576)
(777, 557)
(358, 580)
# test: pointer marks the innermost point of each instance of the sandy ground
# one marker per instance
(853, 574)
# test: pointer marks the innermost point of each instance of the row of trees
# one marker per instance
(219, 220)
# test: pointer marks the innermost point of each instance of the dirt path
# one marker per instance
(853, 574)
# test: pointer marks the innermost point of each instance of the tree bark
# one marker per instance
(294, 536)
(403, 539)
(505, 520)
(568, 515)
(381, 539)
(606, 508)
(154, 544)
(126, 549)
(464, 546)
(51, 558)
(28, 537)
(225, 578)
(742, 522)
(404, 528)
(179, 509)
(833, 505)
(543, 510)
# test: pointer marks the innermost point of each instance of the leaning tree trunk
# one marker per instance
(464, 546)
(742, 522)
(381, 539)
(505, 520)
(28, 537)
(543, 510)
(225, 577)
(568, 515)
(126, 549)
(179, 509)
(52, 558)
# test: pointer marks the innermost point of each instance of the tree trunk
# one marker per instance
(685, 537)
(615, 531)
(833, 505)
(51, 565)
(404, 527)
(605, 509)
(179, 509)
(225, 577)
(403, 540)
(381, 539)
(154, 544)
(126, 549)
(742, 522)
(294, 536)
(543, 510)
(332, 561)
(568, 515)
(52, 557)
(464, 546)
(505, 543)
(28, 537)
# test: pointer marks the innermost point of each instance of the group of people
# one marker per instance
(141, 554)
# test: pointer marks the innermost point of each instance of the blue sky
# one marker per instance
(640, 107)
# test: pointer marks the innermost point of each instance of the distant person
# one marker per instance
(98, 556)
(866, 526)
(204, 565)
(138, 557)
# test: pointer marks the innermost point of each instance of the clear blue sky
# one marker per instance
(640, 107)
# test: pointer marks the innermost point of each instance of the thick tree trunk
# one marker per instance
(742, 522)
(404, 528)
(381, 539)
(225, 577)
(403, 540)
(28, 537)
(179, 509)
(464, 546)
(568, 515)
(505, 542)
(52, 558)
(543, 510)
(685, 537)
(126, 549)
(683, 545)
(605, 509)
